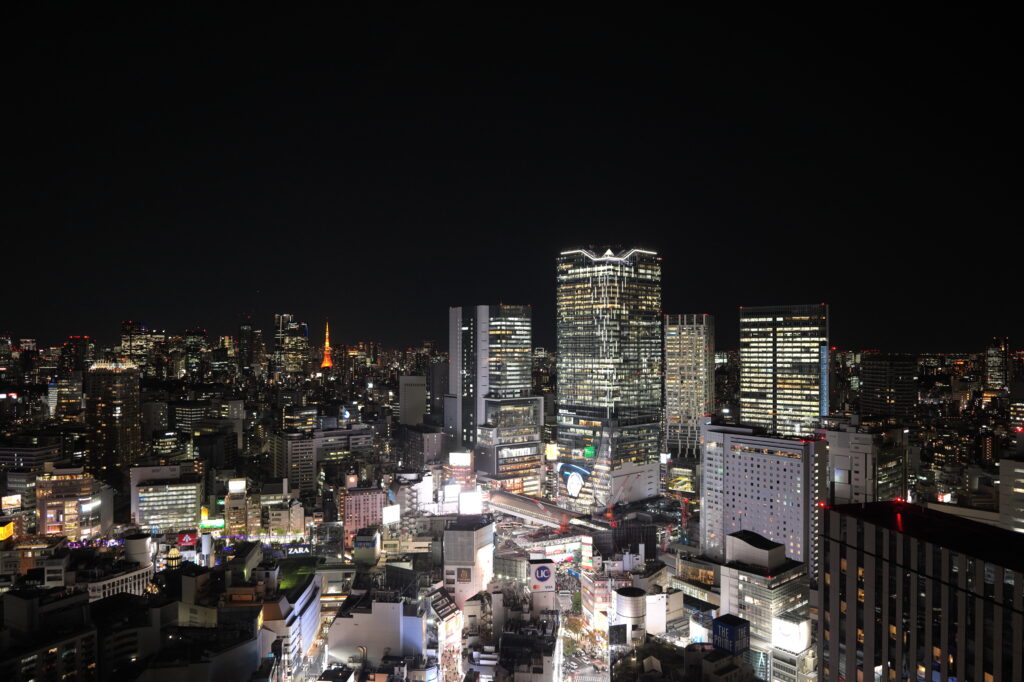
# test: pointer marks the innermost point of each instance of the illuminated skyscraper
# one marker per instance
(784, 367)
(489, 356)
(291, 345)
(113, 416)
(196, 347)
(689, 380)
(327, 362)
(609, 374)
(136, 344)
(997, 364)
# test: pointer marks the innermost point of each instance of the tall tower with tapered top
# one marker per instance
(327, 363)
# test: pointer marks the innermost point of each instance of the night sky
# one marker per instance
(181, 167)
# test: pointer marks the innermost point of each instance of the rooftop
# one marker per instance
(979, 540)
(470, 522)
(755, 540)
(730, 619)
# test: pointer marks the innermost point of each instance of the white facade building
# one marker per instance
(771, 486)
(375, 624)
(468, 556)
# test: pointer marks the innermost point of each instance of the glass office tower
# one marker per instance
(490, 356)
(609, 373)
(689, 380)
(784, 367)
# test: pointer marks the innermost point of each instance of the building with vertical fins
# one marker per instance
(489, 356)
(609, 375)
(909, 593)
(327, 361)
(689, 380)
(784, 364)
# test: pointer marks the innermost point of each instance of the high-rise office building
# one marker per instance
(1011, 491)
(113, 415)
(293, 455)
(412, 399)
(68, 397)
(489, 357)
(246, 353)
(865, 463)
(909, 593)
(137, 344)
(771, 486)
(888, 385)
(437, 387)
(196, 346)
(609, 373)
(784, 367)
(689, 380)
(75, 354)
(997, 364)
(291, 345)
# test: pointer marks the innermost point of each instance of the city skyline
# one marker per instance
(501, 342)
(726, 327)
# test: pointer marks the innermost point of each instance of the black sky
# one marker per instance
(180, 167)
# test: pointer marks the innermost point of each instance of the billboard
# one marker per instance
(573, 476)
(517, 451)
(7, 530)
(587, 553)
(464, 575)
(236, 485)
(542, 576)
(187, 539)
(471, 502)
(791, 633)
(391, 514)
(460, 459)
(10, 502)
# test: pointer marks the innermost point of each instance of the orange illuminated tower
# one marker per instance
(327, 363)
